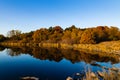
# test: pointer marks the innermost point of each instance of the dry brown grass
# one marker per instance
(105, 75)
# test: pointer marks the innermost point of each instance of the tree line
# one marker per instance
(70, 35)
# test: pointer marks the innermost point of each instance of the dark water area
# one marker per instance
(49, 63)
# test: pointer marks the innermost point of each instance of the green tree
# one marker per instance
(2, 38)
(70, 28)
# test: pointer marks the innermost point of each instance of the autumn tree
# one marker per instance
(40, 35)
(56, 34)
(76, 35)
(72, 35)
(88, 37)
(100, 33)
(66, 38)
(26, 37)
(113, 33)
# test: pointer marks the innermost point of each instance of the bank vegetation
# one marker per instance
(100, 38)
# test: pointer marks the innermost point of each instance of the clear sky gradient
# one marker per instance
(29, 15)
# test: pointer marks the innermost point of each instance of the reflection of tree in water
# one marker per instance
(2, 48)
(50, 54)
(55, 54)
(12, 52)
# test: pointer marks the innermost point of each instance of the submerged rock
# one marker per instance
(115, 69)
(93, 75)
(69, 78)
(78, 74)
(29, 78)
(100, 74)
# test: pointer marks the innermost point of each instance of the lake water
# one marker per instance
(49, 63)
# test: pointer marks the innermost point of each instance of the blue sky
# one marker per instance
(28, 15)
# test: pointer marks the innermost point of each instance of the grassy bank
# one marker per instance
(107, 47)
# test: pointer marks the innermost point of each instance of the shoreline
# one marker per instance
(106, 47)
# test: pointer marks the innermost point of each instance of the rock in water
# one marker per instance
(29, 78)
(93, 75)
(100, 74)
(69, 78)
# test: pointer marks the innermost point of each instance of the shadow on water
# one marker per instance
(55, 54)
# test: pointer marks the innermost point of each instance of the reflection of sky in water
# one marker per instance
(14, 67)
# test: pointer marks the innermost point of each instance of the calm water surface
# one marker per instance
(48, 64)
